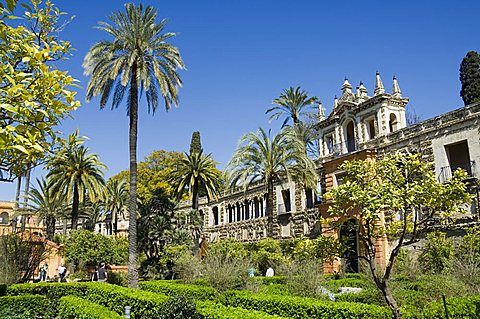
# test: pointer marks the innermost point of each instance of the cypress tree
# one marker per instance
(195, 144)
(470, 78)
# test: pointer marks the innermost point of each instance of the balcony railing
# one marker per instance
(446, 172)
(349, 146)
(281, 209)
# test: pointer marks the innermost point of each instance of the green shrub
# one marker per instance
(118, 278)
(77, 308)
(438, 252)
(298, 307)
(271, 280)
(28, 306)
(143, 304)
(466, 307)
(211, 310)
(171, 288)
(305, 278)
(179, 307)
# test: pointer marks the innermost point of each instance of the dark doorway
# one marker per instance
(459, 157)
(348, 234)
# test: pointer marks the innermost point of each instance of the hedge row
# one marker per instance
(171, 288)
(144, 304)
(458, 307)
(29, 305)
(298, 307)
(72, 307)
(212, 310)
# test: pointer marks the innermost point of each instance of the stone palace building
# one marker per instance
(360, 126)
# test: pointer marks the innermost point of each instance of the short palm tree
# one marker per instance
(292, 103)
(259, 158)
(138, 57)
(47, 205)
(77, 173)
(193, 172)
(116, 201)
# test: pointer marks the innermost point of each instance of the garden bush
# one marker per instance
(211, 310)
(144, 304)
(171, 288)
(179, 307)
(26, 306)
(298, 307)
(72, 307)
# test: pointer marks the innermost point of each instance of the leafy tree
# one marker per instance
(292, 103)
(395, 197)
(19, 257)
(154, 173)
(470, 78)
(195, 144)
(85, 248)
(47, 205)
(76, 173)
(259, 158)
(138, 58)
(116, 201)
(34, 93)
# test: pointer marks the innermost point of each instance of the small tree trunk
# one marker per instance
(270, 208)
(25, 199)
(115, 225)
(17, 203)
(75, 204)
(132, 227)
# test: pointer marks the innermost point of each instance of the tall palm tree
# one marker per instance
(77, 173)
(138, 57)
(293, 103)
(193, 172)
(116, 201)
(271, 160)
(47, 205)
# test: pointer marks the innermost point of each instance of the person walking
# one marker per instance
(62, 271)
(102, 273)
(43, 272)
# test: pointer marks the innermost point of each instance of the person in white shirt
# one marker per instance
(270, 272)
(62, 271)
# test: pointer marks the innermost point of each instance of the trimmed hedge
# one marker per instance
(212, 310)
(72, 307)
(170, 288)
(29, 305)
(270, 280)
(143, 304)
(298, 307)
(458, 307)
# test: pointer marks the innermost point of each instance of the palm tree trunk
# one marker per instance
(17, 203)
(196, 233)
(132, 227)
(115, 225)
(50, 227)
(75, 207)
(269, 208)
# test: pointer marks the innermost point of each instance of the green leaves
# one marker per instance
(34, 94)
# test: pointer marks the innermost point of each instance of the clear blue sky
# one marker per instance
(241, 54)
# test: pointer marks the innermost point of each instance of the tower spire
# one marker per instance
(321, 112)
(379, 89)
(396, 92)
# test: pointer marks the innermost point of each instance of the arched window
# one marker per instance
(256, 205)
(4, 218)
(215, 215)
(239, 212)
(392, 123)
(350, 137)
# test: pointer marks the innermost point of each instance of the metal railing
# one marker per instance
(346, 147)
(281, 209)
(446, 172)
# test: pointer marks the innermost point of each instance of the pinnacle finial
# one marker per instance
(396, 92)
(379, 89)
